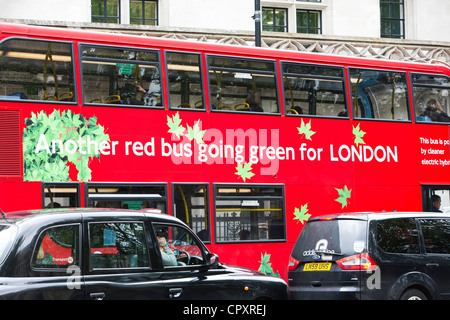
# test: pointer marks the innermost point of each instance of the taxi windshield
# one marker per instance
(7, 236)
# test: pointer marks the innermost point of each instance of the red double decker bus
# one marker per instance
(243, 144)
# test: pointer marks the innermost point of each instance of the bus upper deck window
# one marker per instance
(185, 80)
(121, 76)
(314, 90)
(379, 94)
(242, 85)
(431, 98)
(36, 70)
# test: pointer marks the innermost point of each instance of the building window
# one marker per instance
(274, 19)
(144, 12)
(309, 21)
(106, 11)
(392, 19)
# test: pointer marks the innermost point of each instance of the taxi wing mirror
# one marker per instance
(212, 260)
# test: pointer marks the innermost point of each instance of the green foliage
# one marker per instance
(302, 214)
(244, 171)
(266, 266)
(305, 129)
(344, 195)
(62, 126)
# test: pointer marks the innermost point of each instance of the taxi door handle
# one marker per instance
(175, 292)
(97, 296)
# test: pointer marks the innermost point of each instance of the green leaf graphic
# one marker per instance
(358, 133)
(302, 214)
(344, 195)
(63, 127)
(306, 130)
(174, 125)
(243, 170)
(196, 133)
(266, 266)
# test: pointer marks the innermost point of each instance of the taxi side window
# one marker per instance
(178, 246)
(57, 247)
(436, 235)
(117, 245)
(398, 236)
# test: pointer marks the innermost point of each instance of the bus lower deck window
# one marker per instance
(249, 213)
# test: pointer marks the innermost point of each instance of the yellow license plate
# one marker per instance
(317, 266)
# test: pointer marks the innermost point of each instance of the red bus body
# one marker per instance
(327, 173)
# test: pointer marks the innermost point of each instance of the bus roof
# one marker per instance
(110, 38)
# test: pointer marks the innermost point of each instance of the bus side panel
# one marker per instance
(20, 196)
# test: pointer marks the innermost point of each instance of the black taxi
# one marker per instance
(117, 254)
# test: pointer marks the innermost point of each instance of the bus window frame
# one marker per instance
(344, 88)
(427, 190)
(208, 217)
(74, 72)
(274, 73)
(72, 184)
(202, 80)
(134, 196)
(282, 198)
(415, 107)
(407, 95)
(158, 64)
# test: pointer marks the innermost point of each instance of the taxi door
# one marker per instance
(187, 273)
(119, 264)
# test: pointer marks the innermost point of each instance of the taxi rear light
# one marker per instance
(293, 264)
(357, 262)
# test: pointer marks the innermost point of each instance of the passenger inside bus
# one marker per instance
(130, 93)
(254, 101)
(434, 112)
(436, 200)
